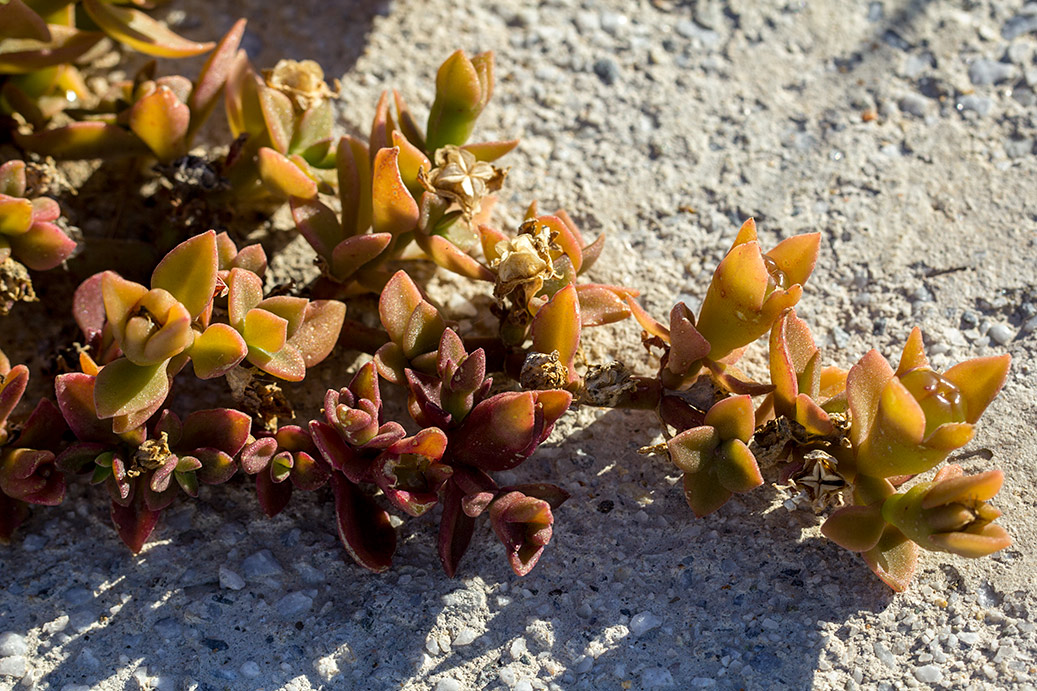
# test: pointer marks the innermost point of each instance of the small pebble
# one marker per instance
(260, 565)
(230, 580)
(980, 105)
(448, 684)
(293, 604)
(929, 674)
(916, 105)
(1001, 334)
(883, 654)
(607, 71)
(613, 23)
(250, 669)
(168, 628)
(12, 644)
(657, 678)
(518, 648)
(1022, 23)
(465, 636)
(643, 622)
(15, 666)
(983, 72)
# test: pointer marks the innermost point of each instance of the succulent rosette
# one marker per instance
(138, 467)
(908, 420)
(715, 457)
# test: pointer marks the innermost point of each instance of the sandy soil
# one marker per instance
(903, 131)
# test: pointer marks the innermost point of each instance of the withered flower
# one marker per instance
(462, 178)
(302, 81)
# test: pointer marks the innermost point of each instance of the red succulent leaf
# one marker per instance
(134, 522)
(12, 387)
(524, 525)
(75, 394)
(88, 307)
(256, 456)
(217, 466)
(504, 430)
(224, 429)
(363, 526)
(44, 429)
(30, 476)
(273, 496)
(455, 529)
(339, 455)
(12, 514)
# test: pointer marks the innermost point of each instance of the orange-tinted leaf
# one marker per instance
(397, 302)
(213, 76)
(864, 384)
(732, 418)
(66, 44)
(217, 350)
(556, 327)
(160, 119)
(141, 32)
(979, 381)
(393, 210)
(283, 177)
(353, 162)
(490, 151)
(84, 140)
(796, 256)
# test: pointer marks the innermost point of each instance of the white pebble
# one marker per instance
(58, 624)
(250, 669)
(465, 636)
(448, 684)
(230, 580)
(12, 644)
(13, 666)
(518, 648)
(643, 622)
(929, 674)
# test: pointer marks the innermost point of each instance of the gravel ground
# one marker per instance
(903, 131)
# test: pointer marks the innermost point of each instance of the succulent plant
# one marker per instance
(148, 116)
(749, 291)
(157, 330)
(284, 335)
(715, 457)
(28, 474)
(28, 236)
(282, 120)
(138, 466)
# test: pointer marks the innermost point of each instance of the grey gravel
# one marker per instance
(929, 674)
(980, 105)
(983, 72)
(643, 622)
(1001, 334)
(260, 565)
(294, 604)
(231, 580)
(14, 666)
